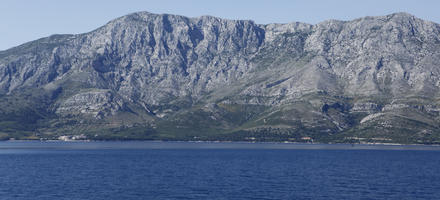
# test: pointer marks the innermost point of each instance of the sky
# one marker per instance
(26, 20)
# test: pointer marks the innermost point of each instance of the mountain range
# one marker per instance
(168, 77)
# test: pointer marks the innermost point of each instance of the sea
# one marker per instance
(216, 170)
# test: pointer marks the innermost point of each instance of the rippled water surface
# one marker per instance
(185, 170)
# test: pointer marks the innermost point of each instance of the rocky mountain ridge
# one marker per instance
(150, 76)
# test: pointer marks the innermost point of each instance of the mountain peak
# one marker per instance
(401, 14)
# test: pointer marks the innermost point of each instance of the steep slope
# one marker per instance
(149, 76)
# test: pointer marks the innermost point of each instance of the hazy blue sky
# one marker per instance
(25, 20)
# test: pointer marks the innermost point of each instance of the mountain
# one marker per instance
(169, 77)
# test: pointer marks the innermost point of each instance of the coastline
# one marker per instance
(223, 141)
(160, 144)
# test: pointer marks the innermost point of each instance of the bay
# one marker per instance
(216, 170)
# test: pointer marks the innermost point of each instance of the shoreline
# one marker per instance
(225, 142)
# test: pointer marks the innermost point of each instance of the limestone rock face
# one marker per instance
(150, 69)
(95, 103)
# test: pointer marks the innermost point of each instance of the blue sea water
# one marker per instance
(188, 170)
